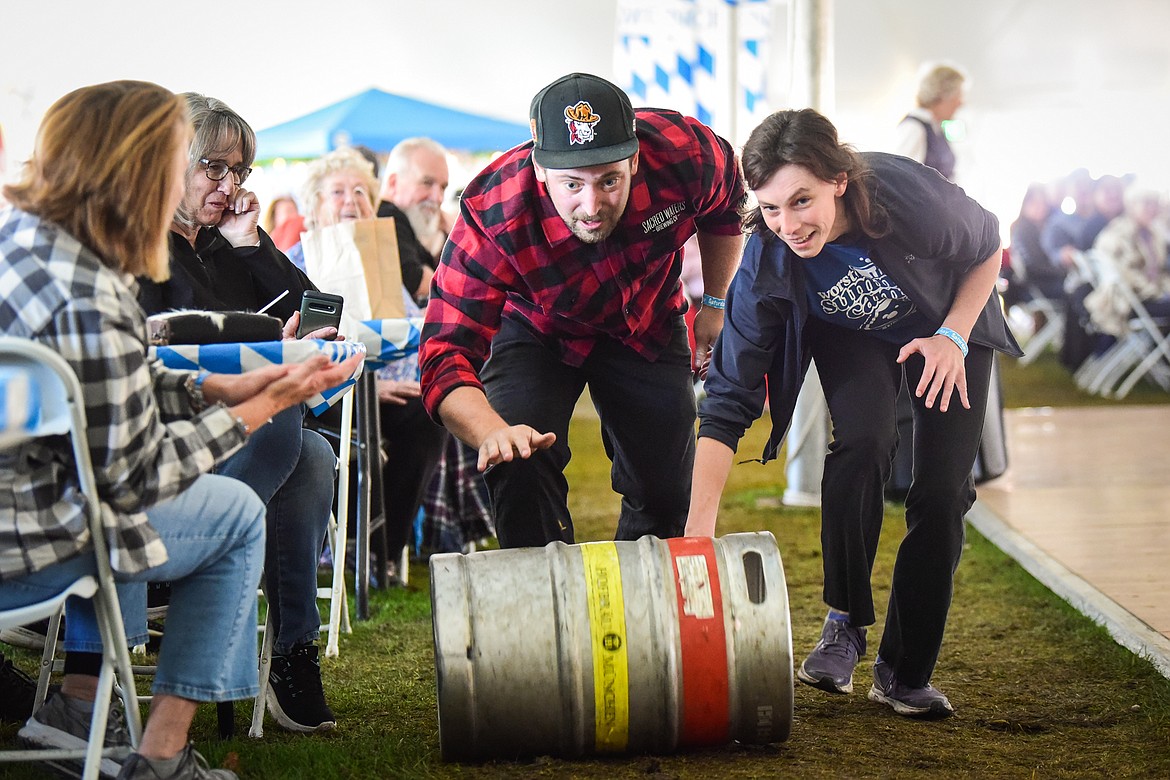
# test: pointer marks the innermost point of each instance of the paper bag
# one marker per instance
(357, 260)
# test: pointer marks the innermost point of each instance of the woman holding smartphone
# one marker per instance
(221, 260)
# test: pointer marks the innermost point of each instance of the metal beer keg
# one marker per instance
(647, 646)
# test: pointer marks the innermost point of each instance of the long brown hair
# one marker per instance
(102, 169)
(806, 138)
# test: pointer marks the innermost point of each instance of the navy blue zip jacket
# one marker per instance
(937, 235)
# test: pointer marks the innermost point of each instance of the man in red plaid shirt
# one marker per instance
(564, 265)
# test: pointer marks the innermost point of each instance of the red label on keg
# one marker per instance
(704, 641)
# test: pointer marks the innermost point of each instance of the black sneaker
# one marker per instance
(17, 693)
(295, 696)
(60, 723)
(192, 766)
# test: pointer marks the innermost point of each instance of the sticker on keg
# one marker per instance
(694, 584)
(607, 629)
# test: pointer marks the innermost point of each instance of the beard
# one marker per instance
(426, 221)
(592, 235)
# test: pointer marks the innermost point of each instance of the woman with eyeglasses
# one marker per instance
(221, 260)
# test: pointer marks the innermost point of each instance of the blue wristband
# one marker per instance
(960, 342)
(711, 302)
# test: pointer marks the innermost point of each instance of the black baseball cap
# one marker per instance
(581, 120)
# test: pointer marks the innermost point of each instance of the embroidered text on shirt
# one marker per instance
(664, 218)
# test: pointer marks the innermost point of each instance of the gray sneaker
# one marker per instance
(830, 664)
(192, 766)
(62, 724)
(926, 703)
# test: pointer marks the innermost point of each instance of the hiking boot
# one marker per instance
(191, 766)
(926, 703)
(295, 696)
(62, 723)
(17, 693)
(830, 664)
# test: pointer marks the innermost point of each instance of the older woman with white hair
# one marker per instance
(340, 187)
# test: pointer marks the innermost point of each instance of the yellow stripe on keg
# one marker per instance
(607, 629)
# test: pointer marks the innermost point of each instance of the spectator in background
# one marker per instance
(1064, 237)
(1135, 246)
(412, 193)
(1034, 269)
(1094, 204)
(920, 134)
(284, 222)
(456, 503)
(339, 187)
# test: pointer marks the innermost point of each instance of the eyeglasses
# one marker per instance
(217, 169)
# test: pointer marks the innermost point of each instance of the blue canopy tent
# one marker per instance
(380, 120)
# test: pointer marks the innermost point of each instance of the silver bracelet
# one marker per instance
(194, 385)
(247, 429)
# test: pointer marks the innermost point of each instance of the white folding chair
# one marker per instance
(49, 388)
(336, 593)
(1049, 334)
(1144, 351)
(1151, 334)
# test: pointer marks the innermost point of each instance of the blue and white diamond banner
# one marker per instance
(241, 357)
(382, 342)
(703, 58)
(388, 340)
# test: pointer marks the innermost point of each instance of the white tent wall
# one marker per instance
(1056, 84)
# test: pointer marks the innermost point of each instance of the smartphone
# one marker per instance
(319, 310)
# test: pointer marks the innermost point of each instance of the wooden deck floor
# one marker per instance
(1085, 507)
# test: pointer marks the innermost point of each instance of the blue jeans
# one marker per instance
(209, 652)
(292, 470)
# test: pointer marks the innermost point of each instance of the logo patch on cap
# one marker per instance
(580, 120)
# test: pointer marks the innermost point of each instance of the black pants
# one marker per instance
(413, 444)
(861, 379)
(647, 412)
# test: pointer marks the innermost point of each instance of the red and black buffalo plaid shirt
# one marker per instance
(511, 255)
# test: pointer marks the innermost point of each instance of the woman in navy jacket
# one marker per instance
(874, 266)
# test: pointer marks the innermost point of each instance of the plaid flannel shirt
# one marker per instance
(144, 448)
(511, 255)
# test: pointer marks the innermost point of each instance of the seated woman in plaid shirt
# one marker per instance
(91, 210)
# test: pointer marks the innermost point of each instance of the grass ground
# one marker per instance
(1041, 692)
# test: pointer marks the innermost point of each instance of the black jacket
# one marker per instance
(214, 276)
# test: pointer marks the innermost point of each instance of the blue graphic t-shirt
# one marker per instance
(844, 287)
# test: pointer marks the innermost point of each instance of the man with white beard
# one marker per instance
(412, 193)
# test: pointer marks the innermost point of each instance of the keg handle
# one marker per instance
(753, 572)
